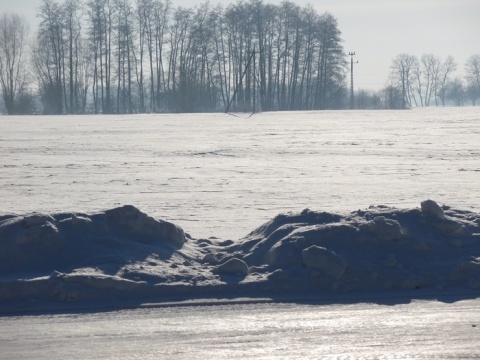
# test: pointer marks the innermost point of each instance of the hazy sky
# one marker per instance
(377, 30)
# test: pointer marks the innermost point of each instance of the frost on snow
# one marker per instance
(123, 253)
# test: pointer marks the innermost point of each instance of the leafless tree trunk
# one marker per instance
(447, 68)
(49, 57)
(431, 70)
(403, 66)
(13, 71)
(472, 75)
(72, 18)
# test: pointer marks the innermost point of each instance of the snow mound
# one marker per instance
(41, 243)
(130, 221)
(232, 266)
(123, 253)
(380, 248)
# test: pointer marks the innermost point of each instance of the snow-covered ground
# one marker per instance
(199, 188)
(418, 330)
(220, 175)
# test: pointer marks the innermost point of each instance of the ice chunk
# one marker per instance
(431, 209)
(383, 228)
(325, 261)
(129, 220)
(232, 266)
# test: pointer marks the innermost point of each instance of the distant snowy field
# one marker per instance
(221, 175)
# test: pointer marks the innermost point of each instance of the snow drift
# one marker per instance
(123, 253)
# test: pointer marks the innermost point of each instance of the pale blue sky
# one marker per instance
(377, 30)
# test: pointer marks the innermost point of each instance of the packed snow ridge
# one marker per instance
(123, 253)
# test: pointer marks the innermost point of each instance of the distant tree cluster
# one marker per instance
(422, 82)
(138, 56)
(429, 80)
(147, 56)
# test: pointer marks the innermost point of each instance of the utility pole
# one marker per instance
(352, 99)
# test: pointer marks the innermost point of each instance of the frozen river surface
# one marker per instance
(220, 175)
(416, 330)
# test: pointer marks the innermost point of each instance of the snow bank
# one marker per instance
(40, 243)
(380, 248)
(124, 253)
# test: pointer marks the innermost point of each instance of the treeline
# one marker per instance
(142, 56)
(425, 81)
(148, 56)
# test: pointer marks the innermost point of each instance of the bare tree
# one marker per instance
(220, 54)
(331, 64)
(72, 21)
(13, 70)
(472, 75)
(177, 73)
(100, 27)
(403, 66)
(472, 92)
(48, 58)
(162, 12)
(392, 96)
(146, 11)
(456, 91)
(446, 69)
(143, 9)
(124, 43)
(431, 69)
(417, 82)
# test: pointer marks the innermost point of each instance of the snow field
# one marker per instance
(220, 175)
(197, 184)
